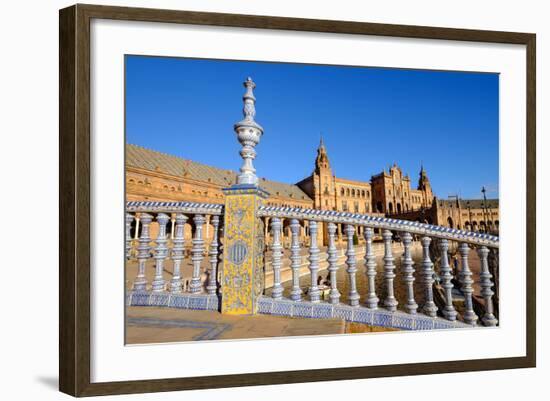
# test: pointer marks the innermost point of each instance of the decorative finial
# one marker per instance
(248, 133)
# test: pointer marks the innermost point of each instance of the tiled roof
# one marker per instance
(474, 203)
(147, 159)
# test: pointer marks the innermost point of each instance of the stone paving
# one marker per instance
(159, 325)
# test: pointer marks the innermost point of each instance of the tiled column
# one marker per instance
(243, 251)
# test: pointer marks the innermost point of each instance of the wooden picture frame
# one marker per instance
(74, 203)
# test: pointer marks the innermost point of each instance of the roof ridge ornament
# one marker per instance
(248, 133)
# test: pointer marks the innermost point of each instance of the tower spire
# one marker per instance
(248, 133)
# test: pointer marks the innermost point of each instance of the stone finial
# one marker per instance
(248, 133)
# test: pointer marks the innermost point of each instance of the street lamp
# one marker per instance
(484, 205)
(470, 215)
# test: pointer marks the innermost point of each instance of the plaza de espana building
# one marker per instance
(155, 176)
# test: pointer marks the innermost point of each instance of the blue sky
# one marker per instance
(369, 119)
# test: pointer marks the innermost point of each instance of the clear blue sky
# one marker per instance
(369, 118)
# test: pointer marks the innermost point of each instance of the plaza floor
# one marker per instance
(145, 325)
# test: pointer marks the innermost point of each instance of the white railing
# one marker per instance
(205, 277)
(405, 230)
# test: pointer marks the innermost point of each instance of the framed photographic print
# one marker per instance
(280, 200)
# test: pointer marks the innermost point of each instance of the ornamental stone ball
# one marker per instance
(248, 133)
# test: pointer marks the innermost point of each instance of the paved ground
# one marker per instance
(157, 325)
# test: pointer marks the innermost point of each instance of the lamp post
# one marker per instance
(457, 199)
(470, 215)
(484, 205)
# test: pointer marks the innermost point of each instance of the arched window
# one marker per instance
(390, 207)
(347, 191)
(450, 222)
(353, 192)
(342, 191)
(363, 193)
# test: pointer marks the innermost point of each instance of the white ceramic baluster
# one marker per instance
(332, 260)
(351, 262)
(129, 220)
(296, 292)
(212, 287)
(144, 248)
(408, 273)
(370, 263)
(277, 253)
(429, 307)
(488, 318)
(197, 254)
(465, 278)
(313, 291)
(136, 233)
(161, 252)
(389, 302)
(177, 253)
(449, 311)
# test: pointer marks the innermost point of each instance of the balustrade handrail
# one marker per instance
(175, 207)
(384, 223)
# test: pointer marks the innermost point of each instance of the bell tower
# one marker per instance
(323, 180)
(425, 186)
